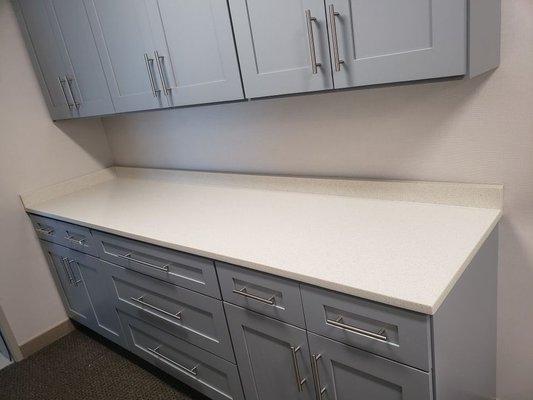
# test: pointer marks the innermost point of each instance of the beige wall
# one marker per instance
(471, 131)
(34, 152)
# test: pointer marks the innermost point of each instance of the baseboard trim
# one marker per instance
(39, 342)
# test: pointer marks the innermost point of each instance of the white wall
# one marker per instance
(471, 131)
(34, 152)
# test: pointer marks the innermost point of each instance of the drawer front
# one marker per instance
(188, 315)
(188, 271)
(72, 236)
(397, 334)
(47, 229)
(269, 295)
(79, 238)
(342, 371)
(211, 375)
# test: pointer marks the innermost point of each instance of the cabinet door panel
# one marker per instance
(195, 37)
(264, 351)
(70, 284)
(274, 47)
(383, 41)
(89, 84)
(123, 36)
(345, 373)
(47, 52)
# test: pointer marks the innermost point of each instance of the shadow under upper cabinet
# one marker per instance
(96, 57)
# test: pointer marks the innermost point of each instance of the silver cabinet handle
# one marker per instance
(339, 323)
(164, 268)
(311, 36)
(64, 261)
(76, 281)
(141, 301)
(316, 374)
(244, 292)
(193, 371)
(161, 67)
(149, 67)
(69, 80)
(62, 83)
(48, 232)
(299, 381)
(334, 38)
(71, 238)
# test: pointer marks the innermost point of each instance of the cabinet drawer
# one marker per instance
(397, 334)
(191, 272)
(341, 370)
(216, 378)
(72, 236)
(269, 295)
(188, 315)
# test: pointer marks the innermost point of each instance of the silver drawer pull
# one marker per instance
(299, 381)
(48, 232)
(193, 371)
(339, 323)
(129, 257)
(72, 239)
(244, 292)
(161, 67)
(141, 301)
(69, 80)
(149, 67)
(62, 83)
(311, 36)
(64, 263)
(335, 40)
(316, 373)
(76, 281)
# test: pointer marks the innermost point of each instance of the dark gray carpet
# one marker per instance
(81, 366)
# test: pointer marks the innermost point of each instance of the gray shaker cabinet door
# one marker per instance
(346, 373)
(383, 41)
(196, 58)
(85, 75)
(275, 47)
(273, 357)
(46, 52)
(126, 44)
(70, 283)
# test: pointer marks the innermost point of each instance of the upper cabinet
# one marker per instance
(382, 41)
(283, 46)
(165, 53)
(64, 54)
(96, 57)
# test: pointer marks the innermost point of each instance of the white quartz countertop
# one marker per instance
(402, 244)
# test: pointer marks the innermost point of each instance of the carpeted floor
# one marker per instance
(81, 366)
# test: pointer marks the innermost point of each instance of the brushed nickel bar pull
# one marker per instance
(48, 232)
(76, 281)
(149, 64)
(299, 381)
(193, 371)
(311, 36)
(334, 38)
(338, 323)
(161, 67)
(61, 84)
(244, 292)
(316, 374)
(71, 238)
(164, 268)
(64, 261)
(69, 80)
(141, 301)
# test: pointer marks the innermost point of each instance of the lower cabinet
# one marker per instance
(87, 291)
(342, 372)
(207, 373)
(273, 357)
